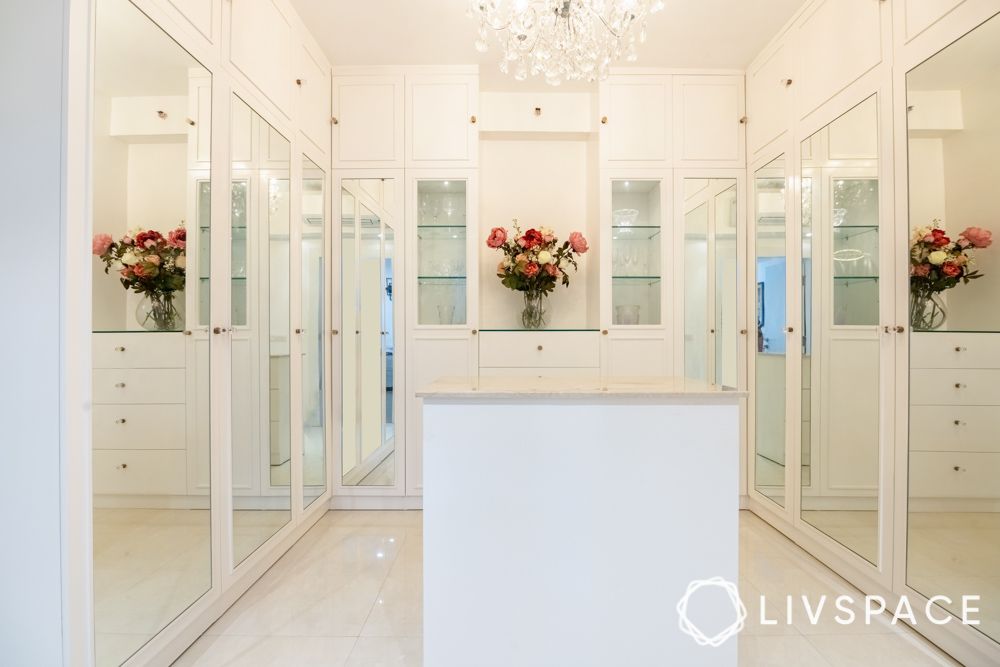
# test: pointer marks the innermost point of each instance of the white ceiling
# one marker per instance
(723, 34)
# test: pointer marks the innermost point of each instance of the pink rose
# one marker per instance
(978, 237)
(177, 238)
(578, 243)
(127, 240)
(140, 271)
(531, 269)
(920, 270)
(101, 244)
(501, 268)
(552, 270)
(950, 269)
(498, 236)
(153, 259)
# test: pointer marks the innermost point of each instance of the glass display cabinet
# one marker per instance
(238, 249)
(636, 251)
(442, 252)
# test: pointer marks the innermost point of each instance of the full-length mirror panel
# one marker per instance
(711, 334)
(152, 123)
(369, 248)
(841, 235)
(953, 522)
(313, 230)
(769, 366)
(261, 365)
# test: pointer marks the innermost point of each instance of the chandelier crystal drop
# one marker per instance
(562, 40)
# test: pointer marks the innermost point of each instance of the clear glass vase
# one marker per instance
(159, 312)
(927, 311)
(533, 315)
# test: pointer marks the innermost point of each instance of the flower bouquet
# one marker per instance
(151, 265)
(937, 263)
(533, 263)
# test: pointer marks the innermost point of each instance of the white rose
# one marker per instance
(181, 262)
(545, 257)
(128, 259)
(937, 258)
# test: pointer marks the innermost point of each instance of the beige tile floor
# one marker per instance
(349, 595)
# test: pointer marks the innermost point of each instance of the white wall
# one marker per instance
(33, 402)
(540, 182)
(971, 184)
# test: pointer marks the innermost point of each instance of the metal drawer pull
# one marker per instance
(960, 348)
(119, 349)
(120, 421)
(123, 466)
(958, 469)
(959, 422)
(120, 385)
(959, 385)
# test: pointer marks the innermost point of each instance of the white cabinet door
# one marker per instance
(200, 113)
(769, 83)
(432, 356)
(313, 79)
(442, 120)
(637, 355)
(837, 43)
(636, 120)
(260, 46)
(368, 121)
(199, 13)
(708, 121)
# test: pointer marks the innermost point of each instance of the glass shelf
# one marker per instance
(534, 330)
(441, 232)
(634, 233)
(239, 278)
(636, 238)
(442, 277)
(442, 249)
(644, 278)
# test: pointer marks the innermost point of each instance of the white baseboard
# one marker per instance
(377, 503)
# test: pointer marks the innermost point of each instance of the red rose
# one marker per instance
(950, 269)
(148, 238)
(177, 238)
(532, 238)
(940, 239)
(531, 269)
(497, 237)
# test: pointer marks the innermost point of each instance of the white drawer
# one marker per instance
(954, 475)
(954, 386)
(140, 472)
(594, 372)
(539, 349)
(138, 350)
(957, 428)
(955, 350)
(138, 385)
(139, 426)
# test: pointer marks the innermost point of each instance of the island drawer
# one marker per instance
(944, 349)
(953, 475)
(135, 472)
(955, 428)
(135, 385)
(954, 386)
(138, 426)
(138, 350)
(539, 349)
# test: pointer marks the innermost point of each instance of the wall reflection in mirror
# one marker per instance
(711, 331)
(152, 121)
(840, 339)
(953, 520)
(368, 267)
(261, 362)
(769, 365)
(314, 464)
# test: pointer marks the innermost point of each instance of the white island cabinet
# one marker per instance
(565, 518)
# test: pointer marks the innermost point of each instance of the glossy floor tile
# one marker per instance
(349, 594)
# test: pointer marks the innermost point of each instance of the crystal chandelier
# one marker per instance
(563, 40)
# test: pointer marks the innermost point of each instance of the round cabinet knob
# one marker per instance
(474, 332)
(120, 385)
(187, 333)
(604, 120)
(123, 466)
(743, 332)
(960, 349)
(959, 385)
(958, 468)
(790, 329)
(604, 332)
(218, 330)
(300, 331)
(334, 332)
(120, 348)
(119, 421)
(958, 422)
(900, 329)
(473, 120)
(539, 348)
(711, 331)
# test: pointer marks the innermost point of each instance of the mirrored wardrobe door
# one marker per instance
(151, 365)
(314, 271)
(711, 334)
(841, 338)
(769, 382)
(261, 365)
(953, 505)
(369, 248)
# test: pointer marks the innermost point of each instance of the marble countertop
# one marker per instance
(575, 387)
